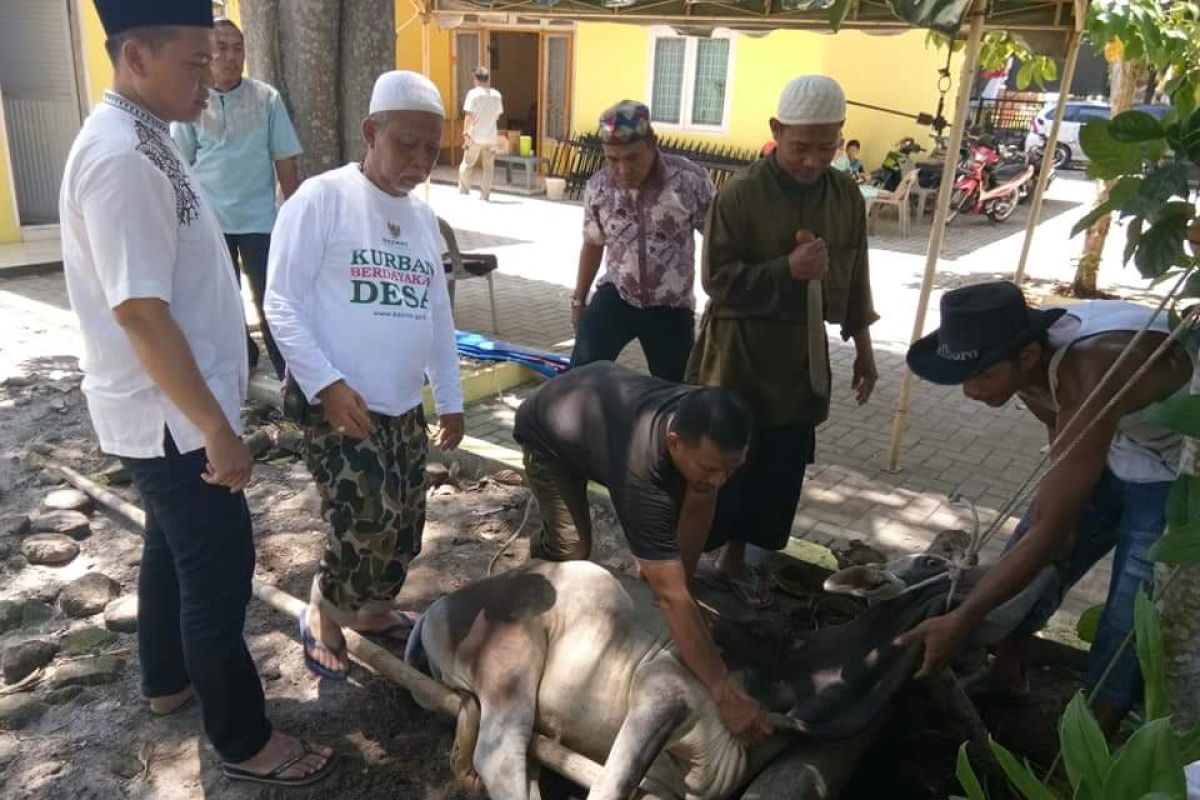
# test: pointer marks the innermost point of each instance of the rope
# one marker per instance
(508, 542)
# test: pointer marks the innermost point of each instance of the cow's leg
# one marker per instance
(658, 703)
(507, 685)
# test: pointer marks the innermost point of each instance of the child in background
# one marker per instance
(857, 170)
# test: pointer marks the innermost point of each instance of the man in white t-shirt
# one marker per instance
(357, 298)
(483, 106)
(164, 363)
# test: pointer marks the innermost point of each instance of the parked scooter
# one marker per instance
(977, 188)
(896, 164)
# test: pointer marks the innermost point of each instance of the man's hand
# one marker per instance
(577, 314)
(346, 410)
(450, 429)
(942, 639)
(229, 461)
(809, 259)
(864, 377)
(742, 714)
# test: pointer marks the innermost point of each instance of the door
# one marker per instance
(42, 106)
(555, 122)
(467, 57)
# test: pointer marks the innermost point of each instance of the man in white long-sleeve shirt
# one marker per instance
(357, 299)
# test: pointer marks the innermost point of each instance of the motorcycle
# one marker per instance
(896, 164)
(978, 189)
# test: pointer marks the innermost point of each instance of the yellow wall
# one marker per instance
(893, 71)
(10, 229)
(441, 63)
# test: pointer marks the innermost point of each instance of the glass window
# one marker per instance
(666, 97)
(708, 91)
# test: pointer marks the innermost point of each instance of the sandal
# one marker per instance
(752, 591)
(187, 703)
(310, 644)
(273, 777)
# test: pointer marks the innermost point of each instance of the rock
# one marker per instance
(69, 500)
(289, 440)
(270, 672)
(48, 592)
(259, 442)
(123, 766)
(67, 523)
(41, 448)
(10, 749)
(35, 612)
(26, 658)
(116, 475)
(87, 641)
(17, 381)
(21, 402)
(17, 563)
(6, 548)
(50, 549)
(436, 474)
(50, 477)
(88, 672)
(121, 614)
(59, 405)
(18, 710)
(88, 595)
(15, 524)
(60, 697)
(10, 615)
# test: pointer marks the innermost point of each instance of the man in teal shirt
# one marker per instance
(242, 143)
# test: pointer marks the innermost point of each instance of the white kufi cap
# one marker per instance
(812, 100)
(401, 90)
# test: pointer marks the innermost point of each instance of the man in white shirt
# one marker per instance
(357, 298)
(483, 106)
(165, 370)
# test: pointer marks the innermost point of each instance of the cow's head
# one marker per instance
(877, 582)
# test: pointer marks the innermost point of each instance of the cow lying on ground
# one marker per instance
(581, 654)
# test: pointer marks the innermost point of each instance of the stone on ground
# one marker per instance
(121, 614)
(88, 595)
(65, 523)
(87, 641)
(18, 710)
(34, 612)
(289, 441)
(50, 477)
(23, 660)
(116, 475)
(15, 524)
(10, 615)
(10, 750)
(258, 442)
(88, 672)
(69, 500)
(122, 765)
(60, 697)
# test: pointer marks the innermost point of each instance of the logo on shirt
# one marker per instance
(393, 230)
(384, 278)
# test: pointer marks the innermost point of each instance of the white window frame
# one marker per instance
(687, 95)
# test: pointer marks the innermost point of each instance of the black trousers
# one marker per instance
(759, 503)
(253, 250)
(609, 323)
(193, 587)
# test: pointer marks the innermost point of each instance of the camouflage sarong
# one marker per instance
(373, 494)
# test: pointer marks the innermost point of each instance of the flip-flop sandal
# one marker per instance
(188, 702)
(273, 777)
(309, 643)
(401, 630)
(753, 591)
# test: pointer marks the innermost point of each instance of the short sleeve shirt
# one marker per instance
(648, 233)
(487, 105)
(136, 226)
(610, 423)
(233, 148)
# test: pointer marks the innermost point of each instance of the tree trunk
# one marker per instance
(368, 48)
(260, 26)
(1124, 84)
(310, 69)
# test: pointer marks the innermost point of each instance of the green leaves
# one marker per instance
(1179, 546)
(1132, 127)
(1151, 658)
(1180, 413)
(1084, 749)
(1149, 762)
(1110, 158)
(966, 775)
(1020, 775)
(1089, 623)
(1161, 247)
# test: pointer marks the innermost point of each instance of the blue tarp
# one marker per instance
(478, 346)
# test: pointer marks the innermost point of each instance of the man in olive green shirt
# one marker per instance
(784, 252)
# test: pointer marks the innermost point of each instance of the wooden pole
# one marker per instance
(425, 690)
(965, 80)
(1035, 206)
(426, 69)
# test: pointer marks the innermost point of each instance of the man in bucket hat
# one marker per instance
(1110, 490)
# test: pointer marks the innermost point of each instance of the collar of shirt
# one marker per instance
(137, 112)
(231, 91)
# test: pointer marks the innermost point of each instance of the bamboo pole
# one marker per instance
(425, 690)
(1035, 206)
(937, 235)
(425, 70)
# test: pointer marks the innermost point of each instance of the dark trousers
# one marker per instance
(759, 503)
(609, 323)
(253, 249)
(193, 586)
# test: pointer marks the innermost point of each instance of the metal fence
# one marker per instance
(580, 157)
(1004, 118)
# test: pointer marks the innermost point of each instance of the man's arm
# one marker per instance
(443, 370)
(753, 289)
(591, 253)
(164, 353)
(744, 717)
(695, 522)
(287, 172)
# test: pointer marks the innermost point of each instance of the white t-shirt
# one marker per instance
(487, 106)
(356, 292)
(135, 225)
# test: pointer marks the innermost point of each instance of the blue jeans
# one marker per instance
(1127, 518)
(193, 586)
